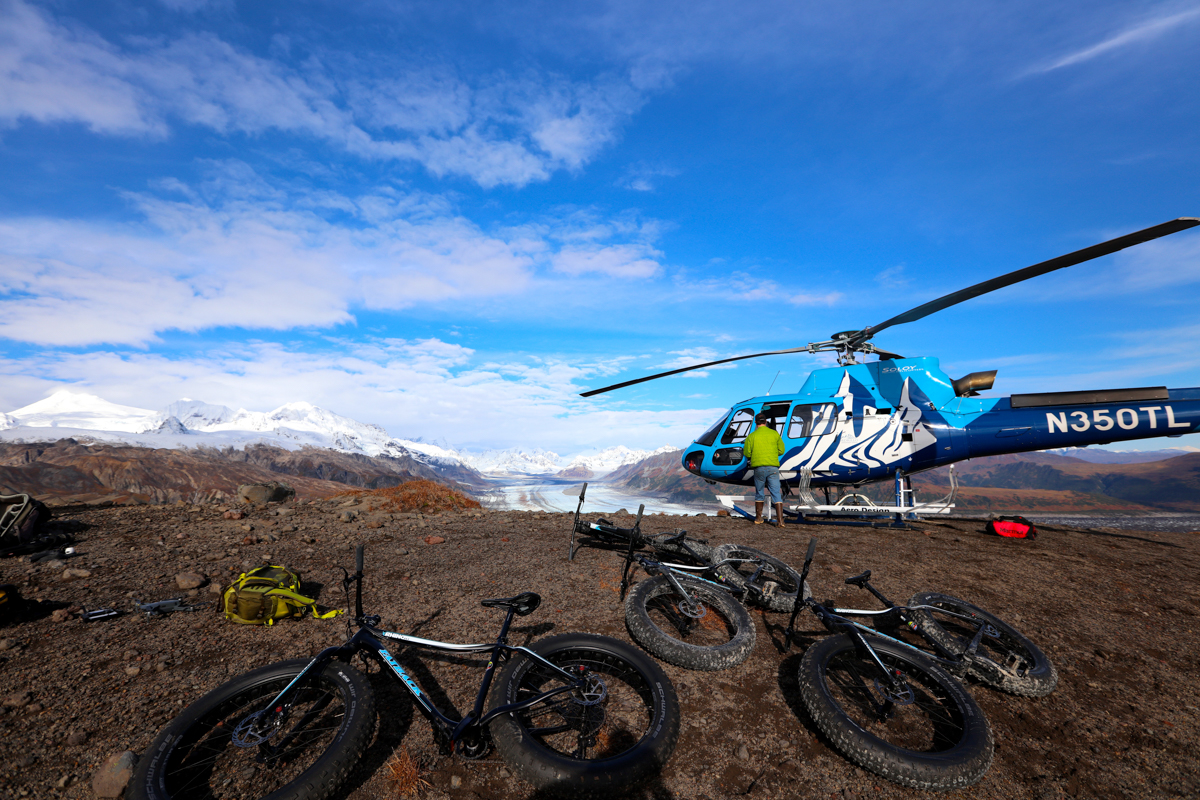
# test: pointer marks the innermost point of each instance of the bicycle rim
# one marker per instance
(578, 726)
(921, 718)
(692, 618)
(205, 764)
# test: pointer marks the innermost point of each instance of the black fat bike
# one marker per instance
(899, 710)
(687, 611)
(573, 713)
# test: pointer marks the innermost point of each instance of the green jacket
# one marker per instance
(763, 447)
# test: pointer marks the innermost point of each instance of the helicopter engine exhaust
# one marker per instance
(974, 383)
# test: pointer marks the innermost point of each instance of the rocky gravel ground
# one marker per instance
(1115, 610)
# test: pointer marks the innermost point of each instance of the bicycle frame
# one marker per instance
(835, 620)
(369, 640)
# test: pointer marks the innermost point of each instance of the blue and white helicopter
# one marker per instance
(863, 422)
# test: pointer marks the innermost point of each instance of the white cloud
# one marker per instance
(237, 251)
(503, 132)
(1140, 32)
(413, 388)
(811, 299)
(619, 261)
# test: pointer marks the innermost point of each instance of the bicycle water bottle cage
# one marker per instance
(523, 604)
(860, 580)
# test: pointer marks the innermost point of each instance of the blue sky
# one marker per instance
(450, 218)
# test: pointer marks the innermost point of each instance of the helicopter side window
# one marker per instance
(777, 415)
(811, 420)
(739, 426)
(710, 435)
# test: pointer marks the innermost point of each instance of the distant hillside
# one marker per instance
(1166, 485)
(1096, 456)
(67, 472)
(663, 474)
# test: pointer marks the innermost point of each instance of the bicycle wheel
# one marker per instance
(776, 581)
(1005, 659)
(930, 735)
(305, 758)
(593, 744)
(706, 630)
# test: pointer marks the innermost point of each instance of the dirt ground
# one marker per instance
(1115, 610)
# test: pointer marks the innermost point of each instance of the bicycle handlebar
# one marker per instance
(358, 558)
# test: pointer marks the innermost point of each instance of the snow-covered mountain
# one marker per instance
(514, 461)
(526, 461)
(191, 423)
(606, 461)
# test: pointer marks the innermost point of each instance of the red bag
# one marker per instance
(1012, 528)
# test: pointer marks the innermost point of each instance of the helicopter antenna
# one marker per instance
(772, 386)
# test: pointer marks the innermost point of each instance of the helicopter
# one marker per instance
(859, 423)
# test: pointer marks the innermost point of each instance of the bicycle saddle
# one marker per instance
(523, 604)
(859, 580)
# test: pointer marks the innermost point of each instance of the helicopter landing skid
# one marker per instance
(853, 505)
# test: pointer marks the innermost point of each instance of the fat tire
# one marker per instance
(703, 550)
(1011, 663)
(778, 586)
(163, 771)
(909, 748)
(641, 710)
(726, 623)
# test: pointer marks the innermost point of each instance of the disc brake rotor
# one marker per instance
(254, 729)
(905, 696)
(591, 693)
(695, 609)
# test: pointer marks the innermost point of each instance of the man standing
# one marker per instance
(764, 447)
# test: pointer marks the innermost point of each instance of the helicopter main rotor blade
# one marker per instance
(689, 369)
(1069, 260)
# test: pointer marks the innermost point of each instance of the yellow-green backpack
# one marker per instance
(265, 594)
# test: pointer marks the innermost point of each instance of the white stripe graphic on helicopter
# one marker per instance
(862, 439)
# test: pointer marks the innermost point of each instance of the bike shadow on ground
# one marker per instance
(789, 687)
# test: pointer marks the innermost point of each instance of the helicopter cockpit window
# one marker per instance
(811, 420)
(739, 426)
(710, 435)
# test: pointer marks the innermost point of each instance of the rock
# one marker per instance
(65, 781)
(263, 493)
(72, 574)
(60, 615)
(373, 524)
(722, 513)
(189, 580)
(114, 774)
(18, 699)
(130, 655)
(76, 738)
(455, 781)
(215, 588)
(133, 672)
(233, 515)
(743, 753)
(9, 644)
(348, 516)
(433, 540)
